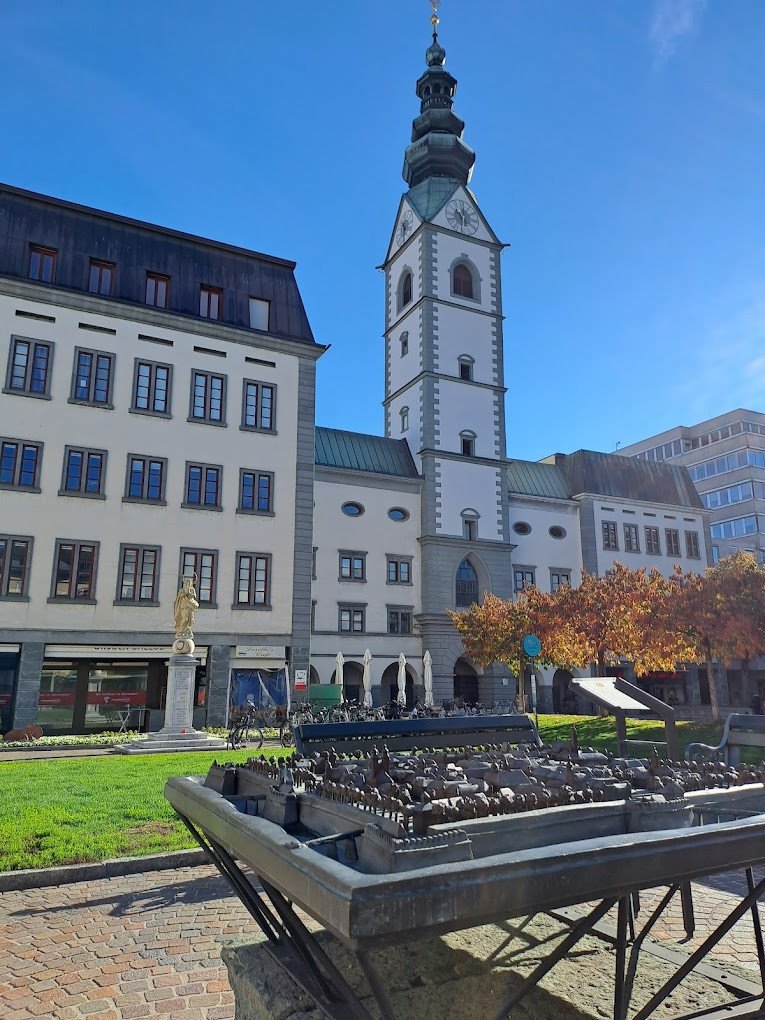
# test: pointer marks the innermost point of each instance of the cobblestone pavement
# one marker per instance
(149, 945)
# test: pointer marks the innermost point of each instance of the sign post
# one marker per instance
(531, 646)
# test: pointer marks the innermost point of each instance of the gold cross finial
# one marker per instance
(435, 4)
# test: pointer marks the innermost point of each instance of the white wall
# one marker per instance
(539, 550)
(652, 515)
(57, 423)
(467, 484)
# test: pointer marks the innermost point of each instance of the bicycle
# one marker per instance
(245, 730)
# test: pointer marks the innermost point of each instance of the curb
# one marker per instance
(38, 878)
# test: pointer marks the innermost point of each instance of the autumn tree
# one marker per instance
(722, 613)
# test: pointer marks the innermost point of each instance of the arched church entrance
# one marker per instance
(465, 682)
(352, 681)
(389, 684)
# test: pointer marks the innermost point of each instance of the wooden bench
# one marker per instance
(416, 734)
(740, 731)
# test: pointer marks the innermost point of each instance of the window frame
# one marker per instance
(401, 300)
(465, 367)
(21, 445)
(152, 366)
(396, 561)
(259, 384)
(526, 572)
(404, 416)
(5, 562)
(564, 577)
(404, 341)
(400, 612)
(210, 291)
(692, 541)
(186, 505)
(631, 537)
(43, 252)
(90, 400)
(77, 545)
(82, 492)
(26, 390)
(157, 278)
(461, 604)
(257, 475)
(353, 609)
(208, 376)
(263, 301)
(610, 530)
(253, 557)
(141, 551)
(651, 531)
(352, 555)
(148, 459)
(101, 265)
(465, 264)
(467, 443)
(672, 537)
(197, 554)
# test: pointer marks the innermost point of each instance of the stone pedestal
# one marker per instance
(178, 733)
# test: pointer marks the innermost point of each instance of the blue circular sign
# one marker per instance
(532, 646)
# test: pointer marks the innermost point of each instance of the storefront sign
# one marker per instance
(301, 679)
(116, 698)
(56, 699)
(261, 652)
(119, 652)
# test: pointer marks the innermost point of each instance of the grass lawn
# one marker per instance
(69, 811)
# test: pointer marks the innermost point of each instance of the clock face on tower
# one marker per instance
(405, 226)
(461, 216)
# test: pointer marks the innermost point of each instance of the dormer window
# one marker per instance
(405, 289)
(467, 443)
(462, 281)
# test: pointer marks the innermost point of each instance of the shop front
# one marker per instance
(92, 689)
(9, 659)
(258, 676)
(669, 687)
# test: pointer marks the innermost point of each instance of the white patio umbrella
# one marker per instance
(401, 679)
(427, 662)
(339, 668)
(366, 678)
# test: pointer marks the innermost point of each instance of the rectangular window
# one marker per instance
(204, 564)
(610, 537)
(210, 302)
(29, 366)
(138, 574)
(151, 387)
(672, 537)
(20, 464)
(399, 621)
(353, 566)
(84, 472)
(203, 486)
(92, 378)
(252, 579)
(523, 579)
(399, 570)
(208, 398)
(101, 277)
(256, 489)
(258, 406)
(313, 562)
(259, 313)
(467, 446)
(559, 578)
(469, 530)
(352, 620)
(15, 559)
(42, 264)
(74, 571)
(692, 550)
(631, 540)
(157, 290)
(145, 479)
(652, 546)
(736, 528)
(466, 371)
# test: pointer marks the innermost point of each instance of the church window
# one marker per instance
(470, 524)
(352, 509)
(404, 412)
(467, 443)
(397, 513)
(522, 528)
(462, 281)
(405, 289)
(466, 367)
(466, 585)
(404, 343)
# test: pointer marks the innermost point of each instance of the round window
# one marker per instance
(353, 509)
(397, 513)
(556, 531)
(522, 528)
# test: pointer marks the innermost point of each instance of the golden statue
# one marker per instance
(184, 608)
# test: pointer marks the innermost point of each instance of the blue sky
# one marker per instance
(621, 154)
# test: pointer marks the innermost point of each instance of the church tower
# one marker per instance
(444, 377)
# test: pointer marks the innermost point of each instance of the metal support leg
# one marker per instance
(689, 918)
(576, 933)
(620, 1003)
(757, 924)
(378, 989)
(721, 930)
(638, 943)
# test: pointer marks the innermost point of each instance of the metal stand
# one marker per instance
(296, 949)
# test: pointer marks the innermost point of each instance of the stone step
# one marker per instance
(163, 746)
